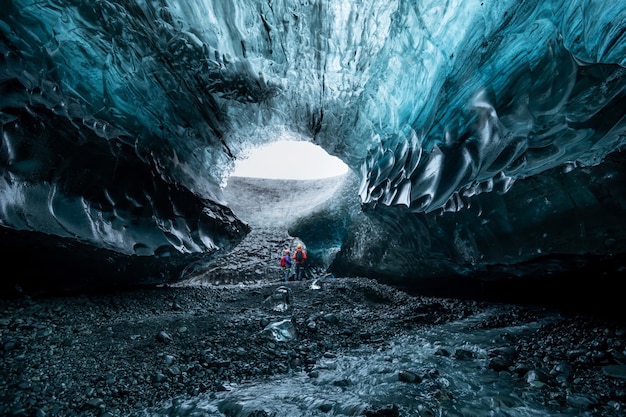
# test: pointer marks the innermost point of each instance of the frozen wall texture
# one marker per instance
(486, 137)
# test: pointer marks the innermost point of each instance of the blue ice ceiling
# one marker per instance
(483, 135)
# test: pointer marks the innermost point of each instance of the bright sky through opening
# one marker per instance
(290, 160)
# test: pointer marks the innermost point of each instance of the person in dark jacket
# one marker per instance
(299, 257)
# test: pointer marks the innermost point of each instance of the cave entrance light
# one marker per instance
(290, 160)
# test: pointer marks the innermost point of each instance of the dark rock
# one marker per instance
(537, 376)
(164, 337)
(409, 376)
(442, 352)
(464, 354)
(386, 411)
(500, 359)
(583, 402)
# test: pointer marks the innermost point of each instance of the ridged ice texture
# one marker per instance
(430, 102)
(501, 91)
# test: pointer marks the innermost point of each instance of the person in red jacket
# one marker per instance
(299, 257)
(286, 264)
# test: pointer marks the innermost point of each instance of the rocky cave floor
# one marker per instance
(119, 353)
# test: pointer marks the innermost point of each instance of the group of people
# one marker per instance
(293, 263)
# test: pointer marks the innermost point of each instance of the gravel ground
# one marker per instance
(118, 353)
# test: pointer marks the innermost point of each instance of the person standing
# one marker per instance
(286, 263)
(300, 257)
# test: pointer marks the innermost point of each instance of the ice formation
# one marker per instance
(485, 137)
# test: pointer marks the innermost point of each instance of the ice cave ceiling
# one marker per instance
(485, 137)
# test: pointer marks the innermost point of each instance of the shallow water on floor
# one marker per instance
(411, 372)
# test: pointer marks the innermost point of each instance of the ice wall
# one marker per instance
(471, 125)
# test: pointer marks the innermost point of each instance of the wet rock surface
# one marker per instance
(119, 353)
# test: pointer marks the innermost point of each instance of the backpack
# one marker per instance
(299, 256)
(283, 262)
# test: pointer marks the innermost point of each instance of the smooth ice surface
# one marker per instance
(485, 137)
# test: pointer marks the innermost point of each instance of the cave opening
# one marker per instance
(279, 190)
(279, 182)
(289, 159)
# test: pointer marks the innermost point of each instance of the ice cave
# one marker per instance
(484, 139)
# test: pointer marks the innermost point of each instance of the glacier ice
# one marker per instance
(482, 135)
